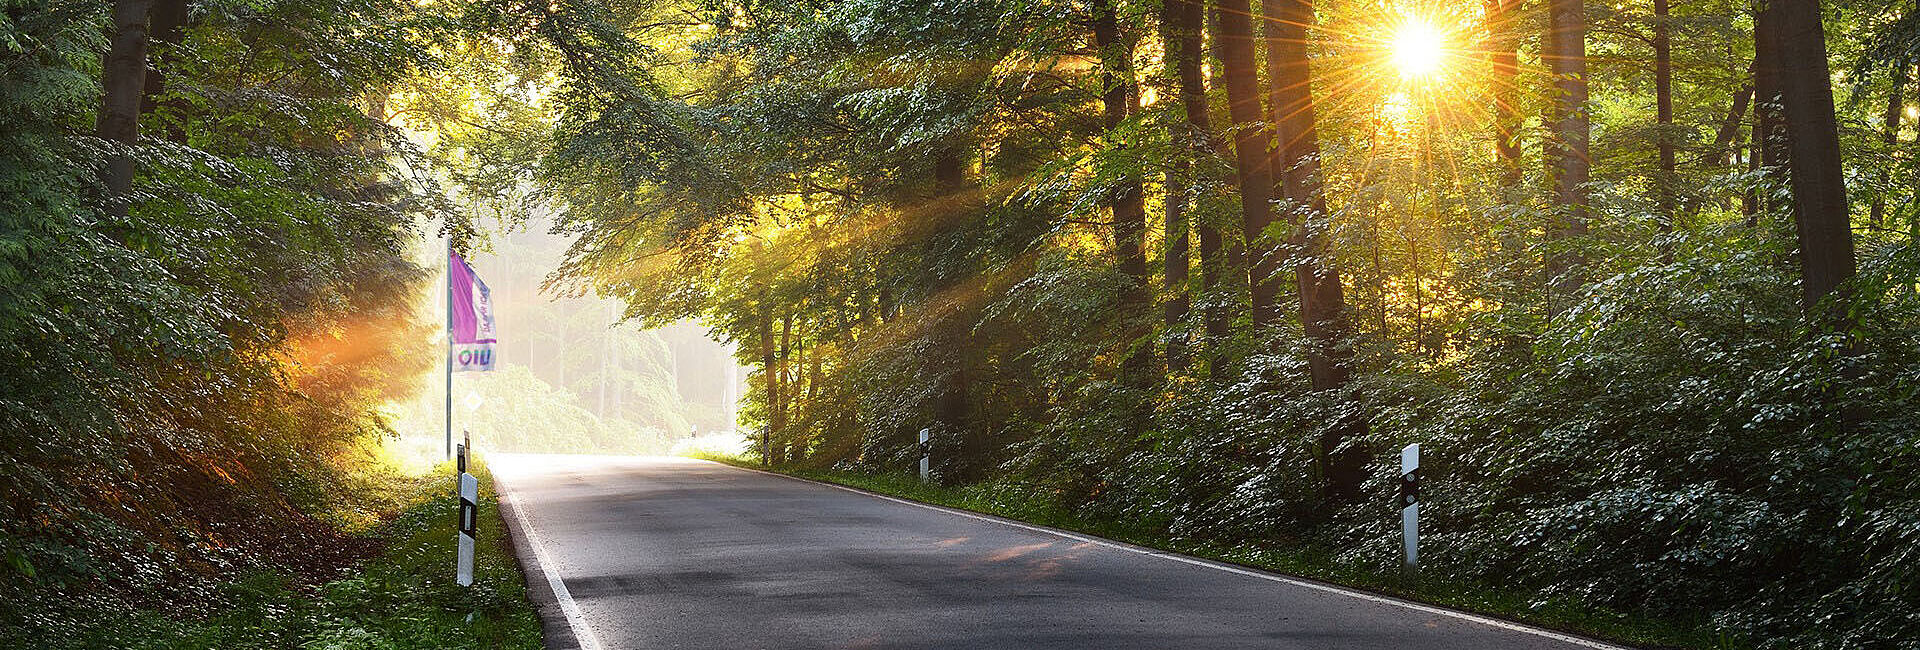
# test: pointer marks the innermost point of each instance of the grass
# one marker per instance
(1010, 502)
(405, 597)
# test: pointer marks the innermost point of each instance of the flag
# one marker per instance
(470, 317)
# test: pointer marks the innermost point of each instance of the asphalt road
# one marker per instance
(638, 552)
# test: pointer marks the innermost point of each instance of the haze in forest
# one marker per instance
(571, 376)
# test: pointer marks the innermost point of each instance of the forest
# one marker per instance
(1640, 277)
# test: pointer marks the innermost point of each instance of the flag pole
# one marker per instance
(449, 333)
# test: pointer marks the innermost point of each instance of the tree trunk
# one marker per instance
(1504, 59)
(1566, 55)
(1890, 136)
(1798, 58)
(1117, 98)
(1724, 151)
(168, 29)
(786, 389)
(1250, 142)
(1181, 21)
(1769, 123)
(1222, 254)
(123, 75)
(805, 443)
(1663, 112)
(769, 369)
(1323, 305)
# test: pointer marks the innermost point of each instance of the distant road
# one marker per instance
(640, 552)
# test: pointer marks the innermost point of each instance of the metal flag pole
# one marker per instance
(449, 332)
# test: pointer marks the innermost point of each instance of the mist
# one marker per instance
(569, 376)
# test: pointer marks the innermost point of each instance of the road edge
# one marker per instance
(1254, 572)
(556, 624)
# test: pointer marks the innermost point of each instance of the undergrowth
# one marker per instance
(402, 597)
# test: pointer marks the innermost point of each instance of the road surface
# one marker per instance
(642, 552)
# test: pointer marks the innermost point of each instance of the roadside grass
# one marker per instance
(404, 597)
(1011, 502)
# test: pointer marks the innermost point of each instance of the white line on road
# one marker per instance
(570, 609)
(1388, 600)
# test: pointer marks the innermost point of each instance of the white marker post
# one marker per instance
(469, 527)
(926, 457)
(1410, 503)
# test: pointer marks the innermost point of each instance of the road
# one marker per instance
(641, 552)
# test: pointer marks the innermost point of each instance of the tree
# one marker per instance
(1890, 134)
(1323, 306)
(1252, 161)
(1119, 98)
(1503, 59)
(1663, 113)
(1182, 27)
(1792, 48)
(1565, 53)
(123, 78)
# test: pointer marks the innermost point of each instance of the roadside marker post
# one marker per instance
(460, 459)
(926, 456)
(468, 488)
(1410, 504)
(469, 527)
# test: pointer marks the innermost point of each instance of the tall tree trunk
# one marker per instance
(123, 75)
(1250, 142)
(1890, 136)
(1323, 304)
(1182, 21)
(1119, 95)
(1566, 55)
(805, 443)
(1768, 140)
(786, 389)
(168, 29)
(769, 373)
(1798, 58)
(1663, 112)
(1724, 151)
(1222, 254)
(1750, 200)
(1504, 61)
(1769, 121)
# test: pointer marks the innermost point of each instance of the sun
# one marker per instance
(1417, 49)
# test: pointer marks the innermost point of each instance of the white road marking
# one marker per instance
(1388, 600)
(568, 608)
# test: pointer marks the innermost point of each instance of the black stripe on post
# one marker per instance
(1409, 488)
(469, 518)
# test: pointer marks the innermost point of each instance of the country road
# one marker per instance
(641, 552)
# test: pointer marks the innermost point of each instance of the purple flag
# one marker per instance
(470, 317)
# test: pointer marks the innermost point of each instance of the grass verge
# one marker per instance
(1010, 502)
(404, 597)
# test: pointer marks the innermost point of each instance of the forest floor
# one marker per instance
(1316, 564)
(401, 594)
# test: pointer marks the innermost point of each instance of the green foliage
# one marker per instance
(403, 598)
(186, 386)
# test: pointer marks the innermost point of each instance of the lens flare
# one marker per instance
(1418, 49)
